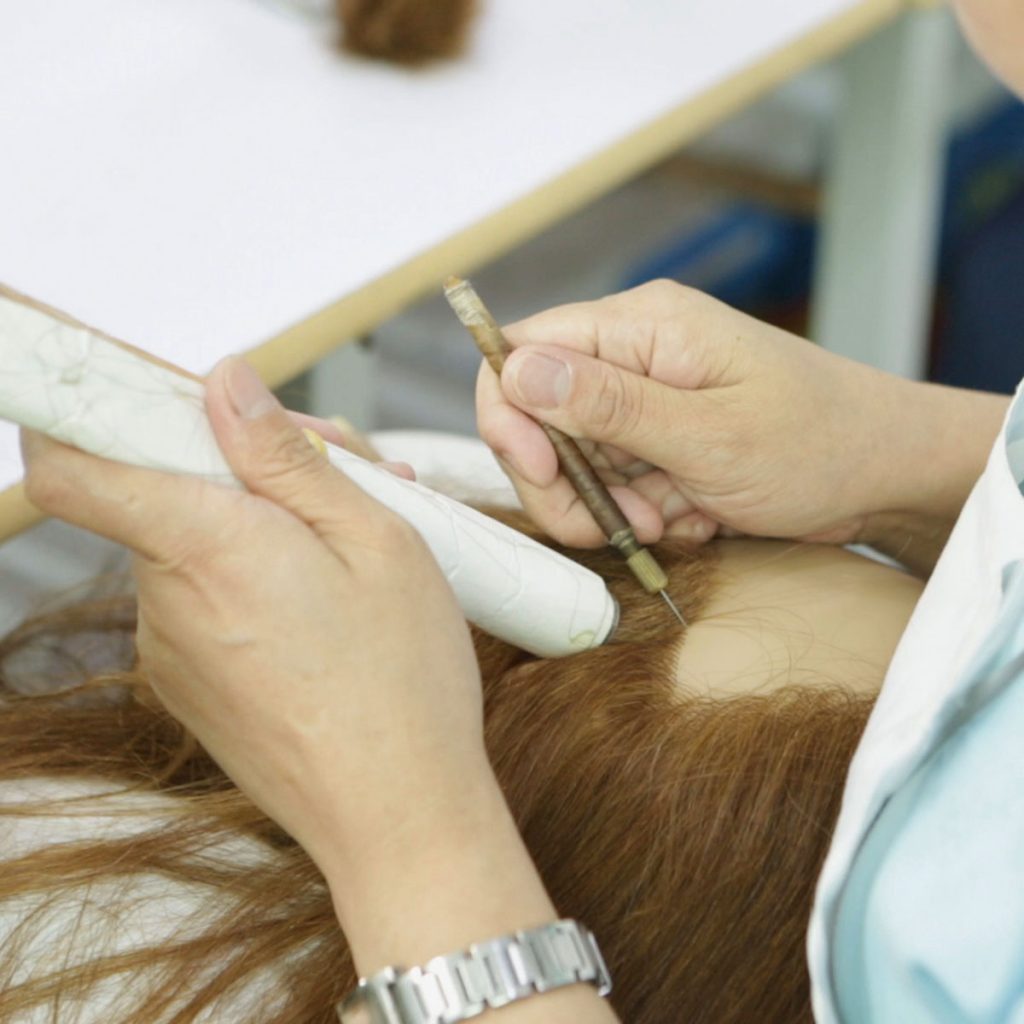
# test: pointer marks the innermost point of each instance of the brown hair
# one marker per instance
(405, 31)
(686, 832)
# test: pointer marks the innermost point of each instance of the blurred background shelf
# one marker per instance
(737, 214)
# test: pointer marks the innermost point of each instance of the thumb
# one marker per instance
(271, 456)
(594, 399)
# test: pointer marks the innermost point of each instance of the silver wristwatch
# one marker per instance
(488, 974)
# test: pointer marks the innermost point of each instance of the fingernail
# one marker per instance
(248, 394)
(541, 381)
(702, 530)
(315, 440)
(345, 427)
(399, 469)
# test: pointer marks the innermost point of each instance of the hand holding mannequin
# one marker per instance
(705, 418)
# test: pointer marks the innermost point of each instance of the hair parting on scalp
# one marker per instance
(686, 832)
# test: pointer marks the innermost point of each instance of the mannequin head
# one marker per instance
(685, 829)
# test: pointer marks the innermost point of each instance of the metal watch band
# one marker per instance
(462, 985)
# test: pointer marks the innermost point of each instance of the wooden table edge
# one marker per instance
(294, 350)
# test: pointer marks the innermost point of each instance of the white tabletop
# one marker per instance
(195, 177)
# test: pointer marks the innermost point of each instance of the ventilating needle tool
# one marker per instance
(477, 319)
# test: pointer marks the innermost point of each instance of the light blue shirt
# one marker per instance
(931, 920)
(922, 918)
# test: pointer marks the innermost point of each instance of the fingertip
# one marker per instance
(697, 528)
(249, 397)
(564, 518)
(521, 444)
(215, 384)
(399, 469)
(642, 515)
(258, 437)
(219, 409)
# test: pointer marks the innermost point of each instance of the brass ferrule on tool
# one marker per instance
(645, 568)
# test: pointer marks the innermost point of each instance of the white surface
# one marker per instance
(195, 177)
(464, 468)
(923, 691)
(86, 391)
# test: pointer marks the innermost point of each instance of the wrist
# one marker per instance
(933, 446)
(455, 871)
(935, 443)
(915, 540)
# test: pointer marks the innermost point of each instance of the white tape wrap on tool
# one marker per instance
(82, 389)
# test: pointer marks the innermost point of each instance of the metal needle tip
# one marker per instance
(675, 611)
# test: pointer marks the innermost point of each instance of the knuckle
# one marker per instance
(609, 409)
(197, 547)
(664, 296)
(191, 551)
(38, 488)
(663, 289)
(184, 553)
(46, 486)
(685, 301)
(393, 533)
(286, 454)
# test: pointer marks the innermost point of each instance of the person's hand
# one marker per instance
(301, 630)
(701, 418)
(306, 636)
